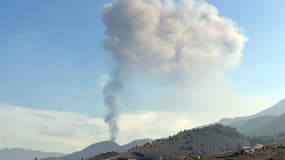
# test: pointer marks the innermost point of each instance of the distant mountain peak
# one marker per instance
(24, 154)
(277, 109)
(270, 121)
(99, 148)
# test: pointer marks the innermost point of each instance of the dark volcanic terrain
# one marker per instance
(206, 141)
(271, 153)
(265, 153)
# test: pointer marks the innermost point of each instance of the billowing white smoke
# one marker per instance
(164, 37)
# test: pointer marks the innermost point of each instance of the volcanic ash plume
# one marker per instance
(110, 98)
(186, 37)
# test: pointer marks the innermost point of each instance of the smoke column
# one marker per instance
(110, 92)
(168, 38)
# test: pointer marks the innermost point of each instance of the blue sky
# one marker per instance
(51, 53)
(52, 59)
(262, 64)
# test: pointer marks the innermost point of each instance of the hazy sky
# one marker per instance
(52, 62)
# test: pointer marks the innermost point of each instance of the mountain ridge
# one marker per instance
(99, 148)
(265, 123)
(24, 154)
(275, 110)
(203, 141)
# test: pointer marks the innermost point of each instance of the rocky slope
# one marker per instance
(206, 141)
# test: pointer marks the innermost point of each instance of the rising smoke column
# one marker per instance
(167, 37)
(110, 92)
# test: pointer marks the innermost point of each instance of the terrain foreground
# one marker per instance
(214, 142)
(265, 153)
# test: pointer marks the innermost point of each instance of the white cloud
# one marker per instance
(68, 131)
(48, 130)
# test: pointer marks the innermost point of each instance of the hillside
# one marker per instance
(210, 140)
(132, 144)
(105, 156)
(277, 139)
(270, 127)
(24, 154)
(261, 126)
(275, 110)
(268, 122)
(248, 126)
(99, 148)
(266, 153)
